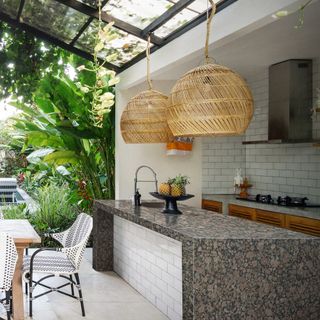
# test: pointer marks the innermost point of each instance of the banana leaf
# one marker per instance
(62, 157)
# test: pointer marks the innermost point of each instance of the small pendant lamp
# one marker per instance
(144, 120)
(210, 100)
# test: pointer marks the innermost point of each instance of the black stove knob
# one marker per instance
(288, 200)
(279, 200)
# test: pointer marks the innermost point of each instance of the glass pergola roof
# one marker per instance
(72, 24)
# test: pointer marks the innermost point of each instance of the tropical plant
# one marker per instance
(102, 100)
(61, 119)
(74, 116)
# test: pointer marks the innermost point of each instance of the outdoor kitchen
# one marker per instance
(166, 153)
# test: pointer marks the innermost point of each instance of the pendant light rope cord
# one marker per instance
(148, 64)
(209, 19)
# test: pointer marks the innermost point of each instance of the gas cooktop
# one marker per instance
(281, 201)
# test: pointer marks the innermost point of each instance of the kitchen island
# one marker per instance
(200, 265)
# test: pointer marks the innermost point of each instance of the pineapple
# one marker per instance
(178, 185)
(177, 190)
(165, 188)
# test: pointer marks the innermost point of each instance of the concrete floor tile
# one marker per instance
(106, 297)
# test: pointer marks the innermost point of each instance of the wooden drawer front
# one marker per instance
(211, 205)
(241, 212)
(301, 224)
(268, 217)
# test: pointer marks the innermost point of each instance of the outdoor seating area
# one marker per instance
(159, 159)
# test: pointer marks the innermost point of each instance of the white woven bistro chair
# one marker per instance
(8, 260)
(64, 238)
(61, 262)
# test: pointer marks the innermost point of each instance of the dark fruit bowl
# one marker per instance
(171, 202)
(164, 197)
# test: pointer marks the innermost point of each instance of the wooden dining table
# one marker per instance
(23, 235)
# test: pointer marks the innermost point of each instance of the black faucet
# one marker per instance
(137, 195)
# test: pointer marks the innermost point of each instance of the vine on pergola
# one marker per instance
(101, 102)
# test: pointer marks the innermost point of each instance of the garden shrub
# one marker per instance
(56, 211)
(15, 211)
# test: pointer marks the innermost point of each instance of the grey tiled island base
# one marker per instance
(231, 268)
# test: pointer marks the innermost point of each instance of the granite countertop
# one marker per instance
(226, 199)
(195, 223)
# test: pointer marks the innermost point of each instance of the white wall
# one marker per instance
(131, 156)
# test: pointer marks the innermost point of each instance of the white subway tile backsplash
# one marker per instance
(279, 180)
(173, 315)
(161, 306)
(167, 277)
(266, 179)
(175, 271)
(276, 169)
(174, 293)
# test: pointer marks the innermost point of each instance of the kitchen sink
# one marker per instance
(152, 204)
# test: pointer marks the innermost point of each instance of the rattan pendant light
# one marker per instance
(144, 120)
(210, 100)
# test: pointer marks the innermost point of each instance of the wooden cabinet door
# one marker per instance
(302, 224)
(268, 217)
(242, 212)
(211, 205)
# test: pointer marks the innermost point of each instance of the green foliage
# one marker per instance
(179, 180)
(56, 210)
(61, 119)
(10, 147)
(39, 175)
(15, 211)
(59, 113)
(25, 60)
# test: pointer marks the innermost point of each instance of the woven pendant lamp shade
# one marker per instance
(144, 119)
(210, 100)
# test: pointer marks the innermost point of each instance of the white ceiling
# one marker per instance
(255, 51)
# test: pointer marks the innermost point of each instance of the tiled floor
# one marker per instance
(106, 296)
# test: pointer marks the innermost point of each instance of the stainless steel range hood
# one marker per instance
(290, 102)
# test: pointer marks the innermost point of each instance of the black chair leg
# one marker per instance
(30, 297)
(72, 287)
(76, 275)
(11, 302)
(26, 284)
(8, 296)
